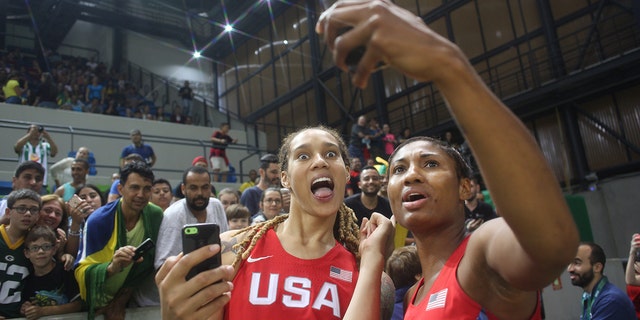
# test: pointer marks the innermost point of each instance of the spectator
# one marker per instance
(218, 156)
(47, 93)
(375, 145)
(61, 170)
(270, 206)
(601, 299)
(79, 170)
(139, 147)
(476, 211)
(389, 139)
(253, 175)
(269, 177)
(238, 216)
(197, 207)
(28, 175)
(177, 116)
(228, 197)
(37, 145)
(403, 266)
(404, 135)
(198, 161)
(92, 199)
(354, 177)
(114, 192)
(94, 106)
(365, 203)
(12, 90)
(23, 209)
(55, 216)
(358, 136)
(76, 104)
(111, 109)
(186, 94)
(49, 289)
(128, 222)
(95, 90)
(161, 194)
(632, 273)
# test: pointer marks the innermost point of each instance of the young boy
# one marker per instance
(23, 209)
(49, 289)
(237, 216)
(403, 266)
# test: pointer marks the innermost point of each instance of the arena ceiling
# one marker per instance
(190, 22)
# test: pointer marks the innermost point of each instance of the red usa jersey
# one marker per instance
(446, 300)
(272, 284)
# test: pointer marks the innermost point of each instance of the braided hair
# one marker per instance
(345, 231)
(345, 228)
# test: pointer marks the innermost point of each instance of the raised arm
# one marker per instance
(539, 237)
(33, 130)
(52, 144)
(631, 277)
(376, 238)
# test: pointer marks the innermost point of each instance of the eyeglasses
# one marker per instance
(276, 201)
(23, 210)
(44, 247)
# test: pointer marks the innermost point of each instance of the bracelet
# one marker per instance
(74, 233)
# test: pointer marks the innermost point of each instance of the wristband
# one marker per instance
(74, 233)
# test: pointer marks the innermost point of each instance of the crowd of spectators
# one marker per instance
(82, 85)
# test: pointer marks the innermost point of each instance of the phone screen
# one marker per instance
(198, 235)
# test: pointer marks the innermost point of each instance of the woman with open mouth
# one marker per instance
(304, 265)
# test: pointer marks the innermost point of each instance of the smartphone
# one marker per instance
(143, 248)
(74, 201)
(198, 235)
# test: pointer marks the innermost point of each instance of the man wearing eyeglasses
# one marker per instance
(23, 207)
(368, 201)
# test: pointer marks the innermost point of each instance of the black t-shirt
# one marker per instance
(355, 203)
(482, 211)
(355, 140)
(186, 93)
(54, 288)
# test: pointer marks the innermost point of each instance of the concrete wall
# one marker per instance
(614, 216)
(106, 136)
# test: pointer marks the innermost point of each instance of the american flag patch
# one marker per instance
(437, 300)
(344, 275)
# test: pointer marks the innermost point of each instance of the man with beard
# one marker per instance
(368, 201)
(601, 299)
(197, 207)
(269, 177)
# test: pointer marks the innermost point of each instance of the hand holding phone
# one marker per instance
(145, 246)
(75, 201)
(198, 235)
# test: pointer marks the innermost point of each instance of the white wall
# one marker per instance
(89, 35)
(166, 58)
(107, 145)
